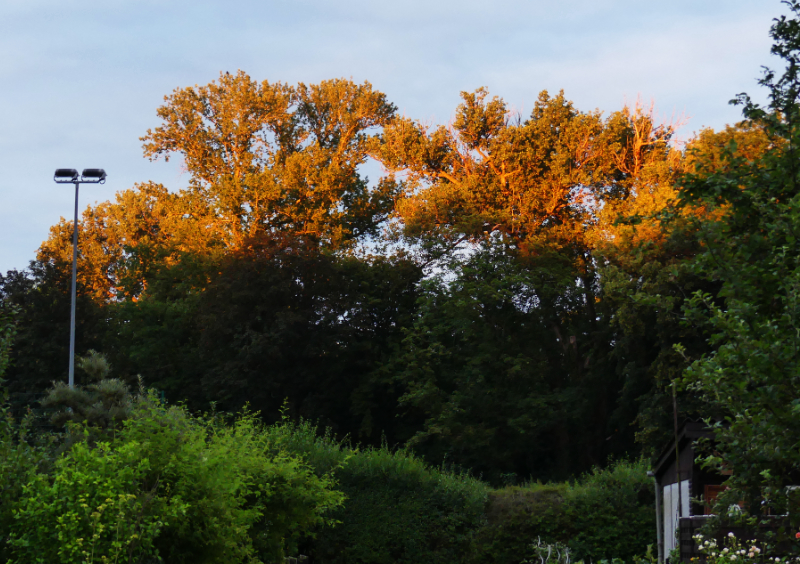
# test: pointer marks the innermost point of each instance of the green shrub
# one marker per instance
(92, 509)
(21, 456)
(606, 514)
(22, 453)
(613, 513)
(171, 486)
(519, 515)
(398, 509)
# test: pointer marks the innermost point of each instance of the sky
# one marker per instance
(80, 81)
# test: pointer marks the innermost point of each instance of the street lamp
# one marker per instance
(70, 176)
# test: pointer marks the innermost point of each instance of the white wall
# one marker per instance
(670, 505)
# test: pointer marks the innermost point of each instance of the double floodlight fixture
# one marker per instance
(71, 176)
(88, 176)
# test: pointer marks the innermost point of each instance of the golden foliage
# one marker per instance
(552, 181)
(273, 160)
(272, 157)
(121, 243)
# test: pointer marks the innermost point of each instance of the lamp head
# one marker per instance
(65, 175)
(94, 175)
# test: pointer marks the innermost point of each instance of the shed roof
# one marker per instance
(687, 435)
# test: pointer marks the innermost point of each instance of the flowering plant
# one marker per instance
(736, 551)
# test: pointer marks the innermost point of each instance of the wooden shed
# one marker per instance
(679, 480)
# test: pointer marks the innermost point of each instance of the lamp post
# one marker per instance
(70, 176)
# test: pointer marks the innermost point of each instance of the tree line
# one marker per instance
(517, 296)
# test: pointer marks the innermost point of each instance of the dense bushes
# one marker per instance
(137, 480)
(20, 459)
(91, 507)
(189, 489)
(398, 509)
(165, 484)
(606, 514)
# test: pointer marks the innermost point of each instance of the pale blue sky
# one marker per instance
(80, 80)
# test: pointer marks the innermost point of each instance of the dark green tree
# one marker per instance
(41, 350)
(752, 375)
(504, 369)
(275, 321)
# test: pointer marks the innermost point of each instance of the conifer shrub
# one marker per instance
(397, 510)
(608, 513)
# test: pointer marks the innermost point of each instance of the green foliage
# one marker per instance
(643, 295)
(100, 407)
(171, 486)
(41, 347)
(245, 498)
(752, 374)
(613, 513)
(496, 366)
(92, 509)
(398, 510)
(103, 405)
(280, 320)
(8, 330)
(22, 453)
(94, 364)
(606, 514)
(516, 516)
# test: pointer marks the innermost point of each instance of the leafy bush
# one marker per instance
(170, 486)
(92, 509)
(21, 454)
(606, 514)
(398, 509)
(613, 513)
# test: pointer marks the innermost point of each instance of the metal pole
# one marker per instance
(677, 451)
(677, 533)
(74, 292)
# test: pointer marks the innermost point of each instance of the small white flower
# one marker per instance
(724, 551)
(731, 535)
